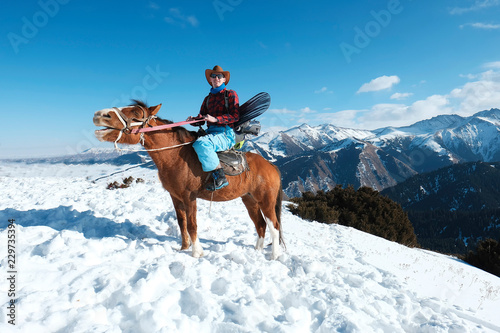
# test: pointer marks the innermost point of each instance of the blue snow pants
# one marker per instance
(218, 138)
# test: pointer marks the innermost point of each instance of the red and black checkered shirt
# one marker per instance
(216, 108)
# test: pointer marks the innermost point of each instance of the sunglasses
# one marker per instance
(213, 76)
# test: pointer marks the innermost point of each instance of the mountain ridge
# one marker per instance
(384, 156)
(454, 207)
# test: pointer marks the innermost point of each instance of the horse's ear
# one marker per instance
(154, 109)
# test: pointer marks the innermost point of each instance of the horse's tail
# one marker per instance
(277, 209)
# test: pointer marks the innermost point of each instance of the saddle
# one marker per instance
(233, 162)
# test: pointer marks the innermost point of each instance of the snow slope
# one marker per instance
(97, 260)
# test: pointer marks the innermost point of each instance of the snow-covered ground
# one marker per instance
(90, 259)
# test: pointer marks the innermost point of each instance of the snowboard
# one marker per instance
(254, 107)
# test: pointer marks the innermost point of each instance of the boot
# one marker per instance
(217, 181)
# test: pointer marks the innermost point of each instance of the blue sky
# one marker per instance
(360, 64)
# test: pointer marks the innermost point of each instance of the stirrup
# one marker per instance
(219, 180)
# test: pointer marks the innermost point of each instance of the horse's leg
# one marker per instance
(257, 218)
(180, 211)
(192, 228)
(269, 198)
(267, 208)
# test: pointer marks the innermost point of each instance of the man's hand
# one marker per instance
(198, 117)
(211, 119)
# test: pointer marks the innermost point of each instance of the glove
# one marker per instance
(199, 123)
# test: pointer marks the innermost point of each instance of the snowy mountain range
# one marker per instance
(320, 157)
(472, 186)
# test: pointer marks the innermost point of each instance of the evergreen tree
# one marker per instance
(364, 209)
(486, 257)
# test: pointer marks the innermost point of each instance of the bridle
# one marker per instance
(128, 123)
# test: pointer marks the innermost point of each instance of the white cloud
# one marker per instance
(193, 21)
(380, 83)
(323, 90)
(421, 83)
(288, 118)
(469, 76)
(479, 25)
(481, 93)
(307, 110)
(430, 107)
(478, 5)
(282, 111)
(285, 111)
(154, 5)
(397, 115)
(179, 19)
(306, 115)
(493, 64)
(400, 96)
(382, 115)
(344, 118)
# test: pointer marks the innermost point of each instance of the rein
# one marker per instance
(162, 127)
(127, 124)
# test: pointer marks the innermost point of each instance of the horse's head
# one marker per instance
(119, 122)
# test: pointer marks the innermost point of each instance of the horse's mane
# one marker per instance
(140, 103)
(183, 133)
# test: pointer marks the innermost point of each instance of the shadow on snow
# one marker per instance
(67, 218)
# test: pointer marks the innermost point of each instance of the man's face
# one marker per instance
(216, 79)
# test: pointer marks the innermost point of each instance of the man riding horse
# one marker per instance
(171, 149)
(220, 111)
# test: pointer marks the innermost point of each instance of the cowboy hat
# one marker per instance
(217, 69)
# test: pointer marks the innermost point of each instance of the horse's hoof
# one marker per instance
(260, 244)
(197, 249)
(276, 252)
(197, 254)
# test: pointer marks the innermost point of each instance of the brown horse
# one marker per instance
(181, 174)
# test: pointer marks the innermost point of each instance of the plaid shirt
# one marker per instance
(216, 108)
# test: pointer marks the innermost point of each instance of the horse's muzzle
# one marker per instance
(102, 118)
